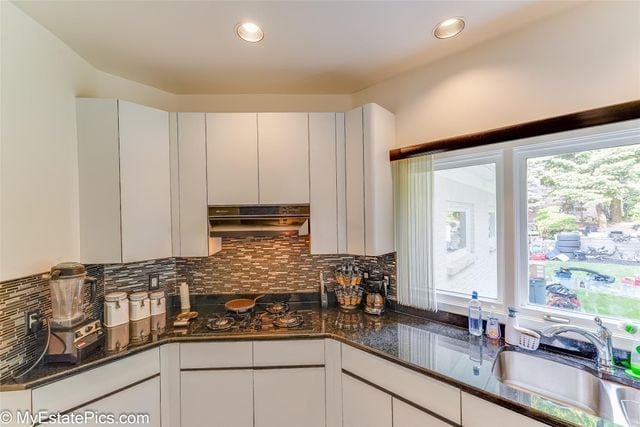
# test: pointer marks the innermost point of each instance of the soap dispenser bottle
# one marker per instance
(511, 335)
(634, 360)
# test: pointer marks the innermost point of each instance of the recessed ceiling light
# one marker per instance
(249, 31)
(449, 28)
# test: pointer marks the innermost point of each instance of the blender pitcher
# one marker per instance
(66, 282)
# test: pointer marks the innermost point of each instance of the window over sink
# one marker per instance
(464, 208)
(584, 205)
(549, 225)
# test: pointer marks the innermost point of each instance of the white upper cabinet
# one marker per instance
(354, 165)
(370, 134)
(145, 196)
(283, 152)
(379, 129)
(192, 187)
(326, 179)
(124, 173)
(99, 180)
(232, 158)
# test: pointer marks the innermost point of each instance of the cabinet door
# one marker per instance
(145, 195)
(363, 405)
(355, 195)
(477, 412)
(99, 181)
(341, 180)
(379, 137)
(140, 400)
(222, 398)
(283, 147)
(405, 415)
(175, 184)
(232, 158)
(426, 392)
(323, 195)
(192, 164)
(289, 397)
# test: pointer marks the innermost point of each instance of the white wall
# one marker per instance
(38, 173)
(41, 77)
(582, 58)
(585, 57)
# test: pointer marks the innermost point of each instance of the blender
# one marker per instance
(73, 336)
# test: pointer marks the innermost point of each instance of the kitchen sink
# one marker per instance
(565, 384)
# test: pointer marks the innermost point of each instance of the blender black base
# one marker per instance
(75, 344)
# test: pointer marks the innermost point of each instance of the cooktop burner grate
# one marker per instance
(219, 322)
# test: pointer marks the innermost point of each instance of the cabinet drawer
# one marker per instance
(477, 412)
(142, 399)
(285, 353)
(73, 392)
(215, 355)
(426, 392)
(364, 406)
(405, 415)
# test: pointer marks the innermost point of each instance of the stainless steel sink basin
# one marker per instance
(563, 383)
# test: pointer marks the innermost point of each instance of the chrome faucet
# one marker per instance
(601, 339)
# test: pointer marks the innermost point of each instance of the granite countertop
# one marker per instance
(439, 350)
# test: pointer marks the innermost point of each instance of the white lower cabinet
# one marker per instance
(478, 412)
(134, 403)
(405, 415)
(223, 398)
(367, 406)
(290, 397)
(364, 405)
(291, 383)
(429, 393)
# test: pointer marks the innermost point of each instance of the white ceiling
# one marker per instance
(189, 47)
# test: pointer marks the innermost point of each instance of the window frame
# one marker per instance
(507, 211)
(534, 315)
(453, 301)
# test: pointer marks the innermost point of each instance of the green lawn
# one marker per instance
(609, 305)
(617, 270)
(598, 301)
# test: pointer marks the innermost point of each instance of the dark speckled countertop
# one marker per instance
(435, 349)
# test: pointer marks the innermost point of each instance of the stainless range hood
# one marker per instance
(258, 220)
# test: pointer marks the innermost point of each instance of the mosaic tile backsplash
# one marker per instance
(18, 350)
(134, 277)
(253, 265)
(281, 264)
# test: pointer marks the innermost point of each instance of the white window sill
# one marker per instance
(621, 340)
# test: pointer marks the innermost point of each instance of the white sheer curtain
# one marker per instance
(413, 203)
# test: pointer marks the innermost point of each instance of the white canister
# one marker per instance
(159, 323)
(118, 337)
(140, 331)
(158, 303)
(139, 306)
(116, 309)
